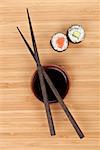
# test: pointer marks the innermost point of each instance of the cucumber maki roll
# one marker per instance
(76, 33)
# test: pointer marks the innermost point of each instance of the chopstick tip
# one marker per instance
(17, 28)
(82, 136)
(27, 10)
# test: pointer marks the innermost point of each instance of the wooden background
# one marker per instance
(23, 123)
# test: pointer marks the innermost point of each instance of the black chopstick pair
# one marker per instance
(43, 75)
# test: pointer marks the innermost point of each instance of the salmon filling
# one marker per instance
(60, 42)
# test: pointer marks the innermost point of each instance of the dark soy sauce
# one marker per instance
(59, 79)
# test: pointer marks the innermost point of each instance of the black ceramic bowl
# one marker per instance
(59, 79)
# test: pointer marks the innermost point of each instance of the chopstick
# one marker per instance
(48, 80)
(43, 88)
(41, 78)
(56, 93)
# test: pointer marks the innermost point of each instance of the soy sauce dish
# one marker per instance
(59, 79)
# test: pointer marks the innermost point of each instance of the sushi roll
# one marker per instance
(76, 33)
(59, 42)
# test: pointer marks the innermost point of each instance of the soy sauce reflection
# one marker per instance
(59, 79)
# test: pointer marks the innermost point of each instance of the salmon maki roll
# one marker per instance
(59, 42)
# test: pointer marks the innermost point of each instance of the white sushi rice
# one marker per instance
(76, 33)
(54, 39)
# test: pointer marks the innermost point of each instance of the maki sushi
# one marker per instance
(76, 33)
(59, 42)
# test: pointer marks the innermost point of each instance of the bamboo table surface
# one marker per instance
(23, 122)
